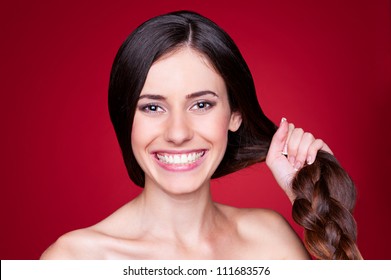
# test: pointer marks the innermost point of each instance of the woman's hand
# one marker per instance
(291, 148)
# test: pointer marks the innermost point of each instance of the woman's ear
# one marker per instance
(235, 121)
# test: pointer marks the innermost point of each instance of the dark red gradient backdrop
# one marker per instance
(324, 65)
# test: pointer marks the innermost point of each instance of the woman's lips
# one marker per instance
(180, 161)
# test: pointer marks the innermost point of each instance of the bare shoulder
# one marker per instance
(269, 234)
(78, 244)
(104, 240)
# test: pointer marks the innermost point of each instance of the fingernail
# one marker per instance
(285, 150)
(309, 160)
(283, 120)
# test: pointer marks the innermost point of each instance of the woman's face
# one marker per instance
(180, 128)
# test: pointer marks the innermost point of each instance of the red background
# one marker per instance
(325, 65)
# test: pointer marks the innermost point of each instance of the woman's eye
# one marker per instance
(202, 105)
(152, 108)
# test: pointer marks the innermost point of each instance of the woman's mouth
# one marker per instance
(180, 161)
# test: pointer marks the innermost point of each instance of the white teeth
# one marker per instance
(180, 158)
(184, 158)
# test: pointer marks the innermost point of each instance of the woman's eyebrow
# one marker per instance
(152, 96)
(189, 96)
(200, 93)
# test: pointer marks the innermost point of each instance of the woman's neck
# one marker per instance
(184, 218)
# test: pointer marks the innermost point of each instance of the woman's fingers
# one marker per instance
(290, 149)
(302, 147)
(278, 163)
(317, 144)
(295, 141)
(278, 143)
(303, 150)
(291, 127)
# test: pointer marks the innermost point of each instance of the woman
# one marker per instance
(183, 105)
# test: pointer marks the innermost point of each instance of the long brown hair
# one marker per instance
(325, 198)
(325, 194)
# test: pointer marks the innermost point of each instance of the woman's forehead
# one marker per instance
(183, 70)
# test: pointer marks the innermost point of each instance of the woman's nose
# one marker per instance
(178, 129)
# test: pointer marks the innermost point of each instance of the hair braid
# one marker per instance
(325, 198)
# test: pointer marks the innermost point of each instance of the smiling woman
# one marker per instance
(187, 116)
(182, 102)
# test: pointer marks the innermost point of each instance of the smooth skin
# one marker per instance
(183, 109)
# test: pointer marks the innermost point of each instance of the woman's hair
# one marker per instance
(325, 193)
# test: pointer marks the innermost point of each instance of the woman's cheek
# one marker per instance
(213, 128)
